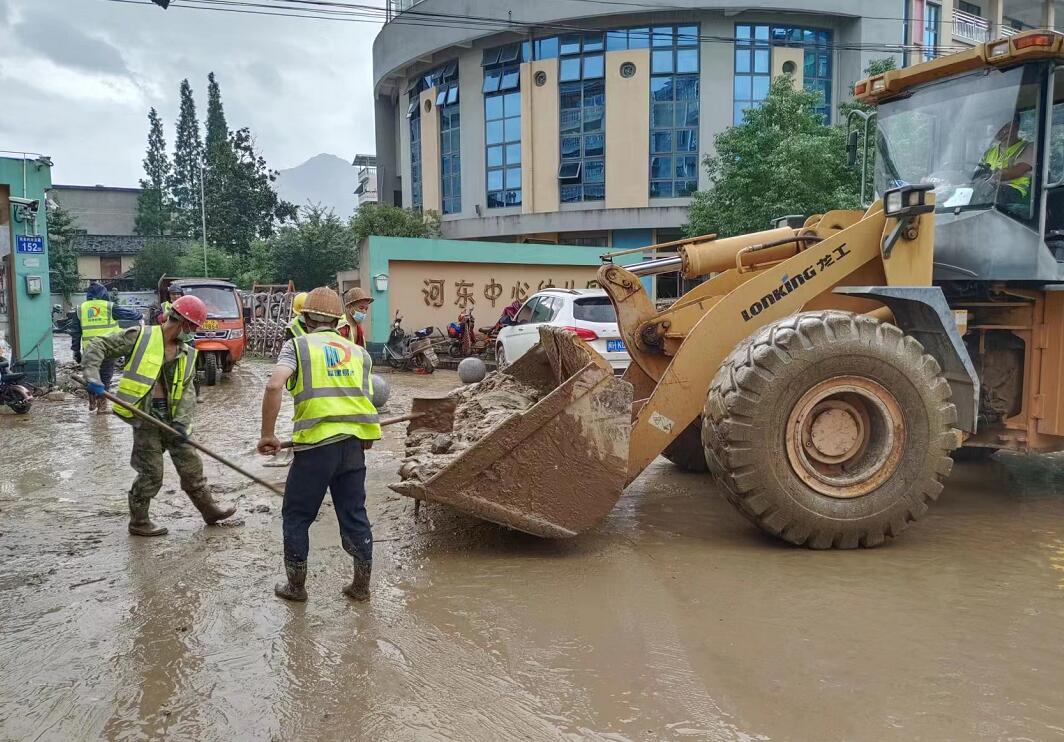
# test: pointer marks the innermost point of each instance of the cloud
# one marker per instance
(301, 86)
(68, 46)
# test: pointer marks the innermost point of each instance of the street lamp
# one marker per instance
(203, 218)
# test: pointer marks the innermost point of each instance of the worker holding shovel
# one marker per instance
(157, 383)
(334, 423)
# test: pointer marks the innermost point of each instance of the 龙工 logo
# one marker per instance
(337, 358)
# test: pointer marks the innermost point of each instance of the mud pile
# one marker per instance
(64, 381)
(479, 409)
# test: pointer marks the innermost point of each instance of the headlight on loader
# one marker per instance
(907, 201)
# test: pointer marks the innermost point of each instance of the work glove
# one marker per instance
(182, 430)
(96, 388)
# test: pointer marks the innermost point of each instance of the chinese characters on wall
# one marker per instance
(437, 291)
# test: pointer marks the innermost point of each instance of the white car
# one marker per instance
(587, 312)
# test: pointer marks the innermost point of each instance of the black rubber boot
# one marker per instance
(211, 511)
(295, 589)
(139, 522)
(359, 587)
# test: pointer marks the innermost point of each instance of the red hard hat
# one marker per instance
(191, 309)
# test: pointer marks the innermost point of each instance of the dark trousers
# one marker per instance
(107, 372)
(341, 468)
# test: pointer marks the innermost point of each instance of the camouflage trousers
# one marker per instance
(149, 444)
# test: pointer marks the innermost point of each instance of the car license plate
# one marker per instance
(210, 324)
(615, 346)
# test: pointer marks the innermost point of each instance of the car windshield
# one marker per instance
(221, 302)
(975, 138)
(594, 309)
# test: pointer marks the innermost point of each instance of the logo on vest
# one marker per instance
(337, 358)
(94, 312)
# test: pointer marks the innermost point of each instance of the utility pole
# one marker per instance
(203, 219)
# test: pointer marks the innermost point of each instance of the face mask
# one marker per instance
(359, 316)
(186, 337)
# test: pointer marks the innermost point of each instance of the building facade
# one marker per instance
(589, 123)
(366, 190)
(104, 218)
(935, 27)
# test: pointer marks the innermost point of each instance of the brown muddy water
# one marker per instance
(674, 619)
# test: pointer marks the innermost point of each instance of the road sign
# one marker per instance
(32, 243)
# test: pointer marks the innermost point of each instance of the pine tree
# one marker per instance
(188, 157)
(62, 260)
(220, 160)
(153, 204)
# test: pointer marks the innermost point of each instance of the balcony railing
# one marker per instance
(395, 7)
(970, 27)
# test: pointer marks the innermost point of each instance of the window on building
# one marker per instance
(932, 14)
(414, 113)
(753, 64)
(502, 123)
(582, 110)
(674, 113)
(450, 154)
(971, 8)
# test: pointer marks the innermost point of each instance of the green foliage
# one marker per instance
(153, 204)
(781, 160)
(185, 178)
(158, 258)
(260, 266)
(383, 220)
(220, 264)
(62, 260)
(314, 249)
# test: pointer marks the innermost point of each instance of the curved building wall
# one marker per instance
(604, 138)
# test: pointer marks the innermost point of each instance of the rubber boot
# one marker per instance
(359, 587)
(140, 524)
(211, 511)
(295, 589)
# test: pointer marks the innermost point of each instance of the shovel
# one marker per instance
(431, 414)
(203, 449)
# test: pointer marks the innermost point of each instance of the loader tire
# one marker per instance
(830, 429)
(687, 451)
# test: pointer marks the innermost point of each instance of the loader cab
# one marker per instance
(991, 142)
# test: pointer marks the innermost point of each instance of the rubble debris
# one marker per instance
(64, 381)
(480, 408)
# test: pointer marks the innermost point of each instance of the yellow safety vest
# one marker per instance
(997, 161)
(332, 390)
(297, 328)
(97, 319)
(145, 364)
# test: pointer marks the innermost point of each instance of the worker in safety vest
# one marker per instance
(1010, 161)
(334, 424)
(296, 328)
(157, 379)
(356, 308)
(97, 316)
(163, 309)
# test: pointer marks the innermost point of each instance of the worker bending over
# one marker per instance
(156, 379)
(334, 424)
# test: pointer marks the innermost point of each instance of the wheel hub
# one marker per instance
(845, 436)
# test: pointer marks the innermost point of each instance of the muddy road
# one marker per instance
(675, 619)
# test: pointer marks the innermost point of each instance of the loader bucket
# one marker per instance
(557, 468)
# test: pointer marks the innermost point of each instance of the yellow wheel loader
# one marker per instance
(828, 368)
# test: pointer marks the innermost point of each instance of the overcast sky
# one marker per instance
(77, 78)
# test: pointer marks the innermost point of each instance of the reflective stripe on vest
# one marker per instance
(144, 366)
(296, 328)
(997, 161)
(97, 318)
(332, 390)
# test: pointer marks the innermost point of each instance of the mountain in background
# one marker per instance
(323, 179)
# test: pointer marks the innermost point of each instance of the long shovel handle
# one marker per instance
(203, 449)
(382, 422)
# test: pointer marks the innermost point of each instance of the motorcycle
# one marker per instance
(465, 341)
(12, 393)
(402, 350)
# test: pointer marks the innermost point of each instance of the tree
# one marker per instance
(153, 204)
(158, 258)
(781, 160)
(185, 179)
(219, 167)
(220, 264)
(383, 220)
(312, 251)
(62, 260)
